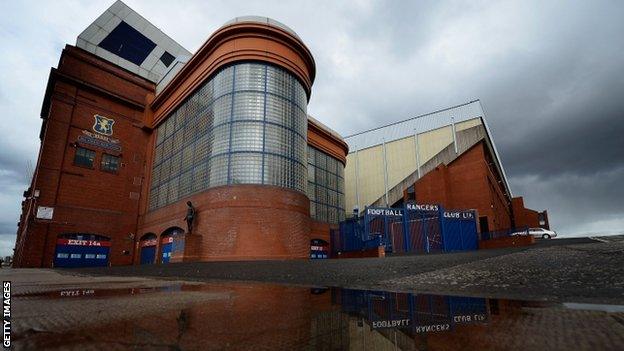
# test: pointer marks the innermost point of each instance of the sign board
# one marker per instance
(44, 212)
(391, 323)
(78, 242)
(98, 140)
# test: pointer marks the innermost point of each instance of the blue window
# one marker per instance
(128, 43)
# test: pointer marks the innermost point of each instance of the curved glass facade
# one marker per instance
(245, 125)
(325, 187)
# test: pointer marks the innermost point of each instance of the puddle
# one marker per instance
(106, 292)
(242, 316)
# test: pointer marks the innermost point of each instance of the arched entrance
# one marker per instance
(147, 245)
(167, 243)
(82, 250)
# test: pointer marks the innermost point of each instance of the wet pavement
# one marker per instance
(61, 311)
(585, 270)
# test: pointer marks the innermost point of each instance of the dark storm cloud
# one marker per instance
(549, 75)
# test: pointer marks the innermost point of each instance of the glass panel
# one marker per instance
(223, 125)
(247, 136)
(246, 168)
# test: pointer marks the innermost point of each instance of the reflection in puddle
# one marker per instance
(249, 316)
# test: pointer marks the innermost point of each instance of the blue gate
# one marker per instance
(81, 250)
(423, 228)
(413, 228)
(460, 231)
(378, 223)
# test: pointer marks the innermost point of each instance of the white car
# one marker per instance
(537, 233)
(542, 233)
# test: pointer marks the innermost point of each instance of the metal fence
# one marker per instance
(413, 228)
(419, 313)
(503, 233)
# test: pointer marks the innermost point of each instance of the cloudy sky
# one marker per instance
(549, 74)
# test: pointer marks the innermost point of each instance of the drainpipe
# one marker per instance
(357, 181)
(385, 170)
(454, 134)
(417, 152)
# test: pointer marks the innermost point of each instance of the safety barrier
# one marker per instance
(503, 233)
(413, 228)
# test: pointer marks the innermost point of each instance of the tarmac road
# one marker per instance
(574, 269)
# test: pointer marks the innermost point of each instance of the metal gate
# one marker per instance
(460, 230)
(423, 229)
(413, 228)
(378, 223)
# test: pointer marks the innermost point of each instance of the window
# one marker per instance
(167, 58)
(84, 157)
(109, 163)
(245, 125)
(128, 43)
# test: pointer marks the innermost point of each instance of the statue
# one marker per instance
(190, 216)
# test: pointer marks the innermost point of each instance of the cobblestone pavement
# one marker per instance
(587, 272)
(578, 269)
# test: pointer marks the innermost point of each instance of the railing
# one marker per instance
(503, 233)
(353, 238)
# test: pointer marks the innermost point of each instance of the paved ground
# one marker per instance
(579, 269)
(170, 307)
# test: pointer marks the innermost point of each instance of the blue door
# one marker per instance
(148, 254)
(166, 252)
(72, 253)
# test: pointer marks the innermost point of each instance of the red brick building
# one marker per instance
(470, 182)
(134, 127)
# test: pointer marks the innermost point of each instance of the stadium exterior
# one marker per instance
(446, 157)
(134, 127)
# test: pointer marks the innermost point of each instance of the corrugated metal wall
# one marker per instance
(399, 143)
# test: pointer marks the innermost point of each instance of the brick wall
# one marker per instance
(526, 217)
(86, 200)
(466, 183)
(239, 222)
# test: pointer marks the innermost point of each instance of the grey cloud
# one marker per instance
(549, 75)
